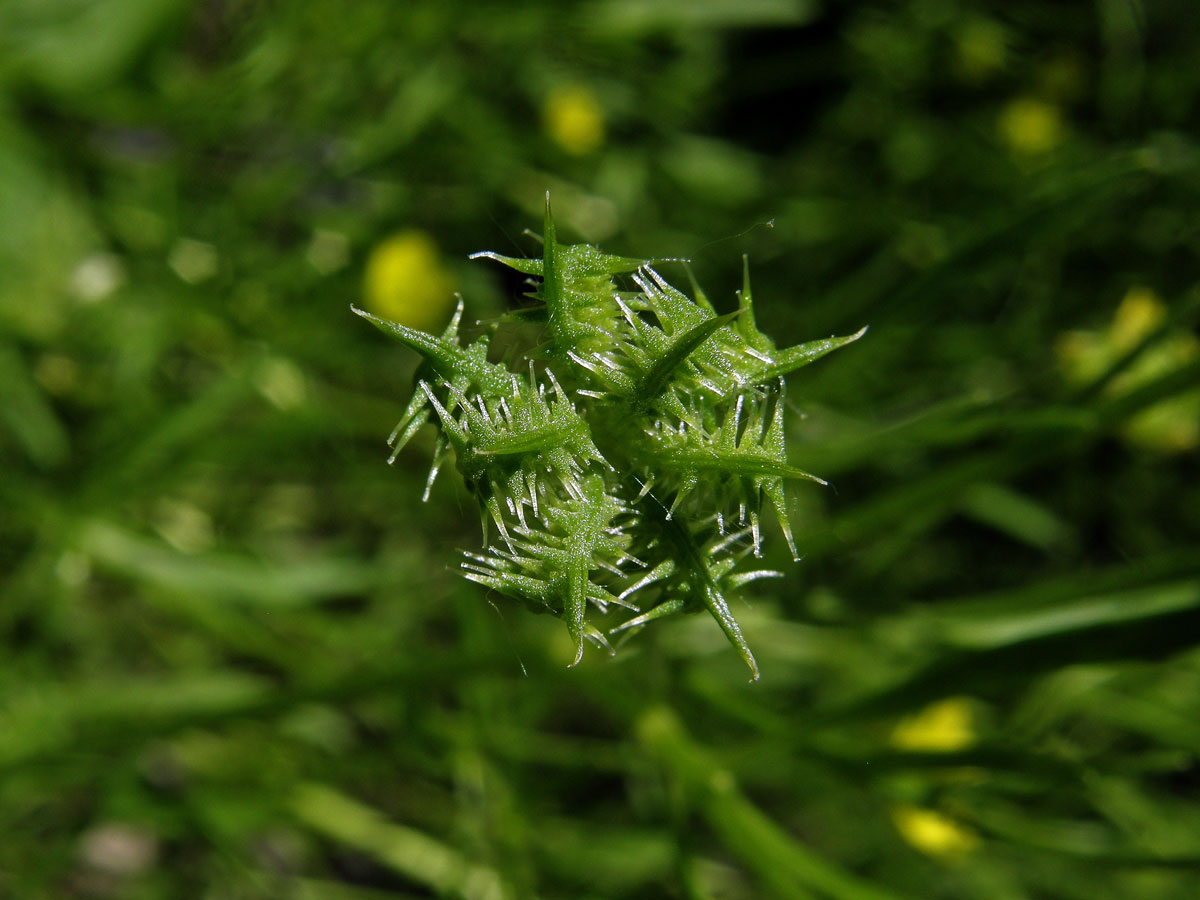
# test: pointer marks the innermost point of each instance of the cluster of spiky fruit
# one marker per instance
(628, 466)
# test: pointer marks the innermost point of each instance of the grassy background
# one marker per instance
(237, 660)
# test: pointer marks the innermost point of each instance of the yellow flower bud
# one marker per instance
(933, 833)
(941, 727)
(406, 282)
(574, 119)
(1031, 127)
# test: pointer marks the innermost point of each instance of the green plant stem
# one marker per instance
(788, 868)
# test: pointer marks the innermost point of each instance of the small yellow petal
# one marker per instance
(982, 50)
(933, 833)
(406, 282)
(941, 727)
(1031, 127)
(574, 119)
(1140, 312)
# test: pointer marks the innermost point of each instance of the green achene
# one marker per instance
(628, 466)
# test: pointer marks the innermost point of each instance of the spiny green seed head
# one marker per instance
(632, 469)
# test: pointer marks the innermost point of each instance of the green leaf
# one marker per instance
(528, 266)
(743, 465)
(655, 381)
(787, 361)
(705, 587)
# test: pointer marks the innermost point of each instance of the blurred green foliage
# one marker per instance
(236, 665)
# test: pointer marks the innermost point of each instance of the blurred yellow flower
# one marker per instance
(1140, 312)
(574, 119)
(982, 50)
(406, 281)
(941, 727)
(933, 833)
(1172, 426)
(1031, 127)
